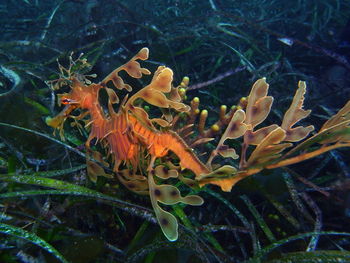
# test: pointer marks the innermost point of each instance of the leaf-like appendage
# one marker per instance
(154, 97)
(169, 195)
(167, 221)
(335, 133)
(154, 93)
(227, 152)
(189, 182)
(235, 129)
(118, 82)
(112, 96)
(221, 172)
(201, 141)
(294, 114)
(161, 122)
(93, 168)
(135, 183)
(342, 115)
(269, 148)
(259, 104)
(174, 95)
(142, 116)
(255, 137)
(165, 173)
(132, 67)
(162, 79)
(225, 177)
(337, 125)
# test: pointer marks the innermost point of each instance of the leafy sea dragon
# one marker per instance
(130, 134)
(145, 151)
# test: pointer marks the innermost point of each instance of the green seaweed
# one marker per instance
(31, 237)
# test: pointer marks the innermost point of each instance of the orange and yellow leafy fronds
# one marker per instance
(338, 123)
(154, 93)
(294, 114)
(235, 129)
(148, 149)
(269, 148)
(258, 104)
(132, 67)
(133, 141)
(168, 195)
(334, 133)
(268, 145)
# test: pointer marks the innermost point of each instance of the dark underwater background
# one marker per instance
(300, 213)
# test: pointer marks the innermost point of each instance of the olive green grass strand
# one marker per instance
(318, 221)
(295, 196)
(181, 214)
(259, 219)
(71, 189)
(45, 136)
(55, 173)
(242, 218)
(20, 233)
(68, 147)
(264, 251)
(138, 236)
(283, 211)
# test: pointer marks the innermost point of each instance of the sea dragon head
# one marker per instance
(80, 94)
(78, 97)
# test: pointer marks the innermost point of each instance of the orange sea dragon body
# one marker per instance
(129, 131)
(146, 150)
(130, 135)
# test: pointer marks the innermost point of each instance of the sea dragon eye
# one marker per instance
(66, 101)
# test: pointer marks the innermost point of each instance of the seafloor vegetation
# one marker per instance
(56, 208)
